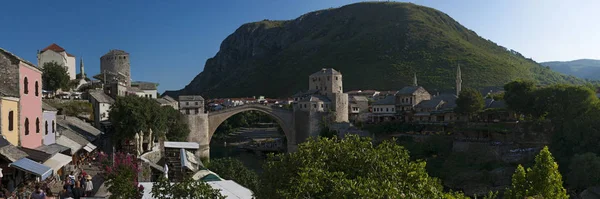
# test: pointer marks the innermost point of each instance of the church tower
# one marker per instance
(81, 68)
(458, 81)
(415, 80)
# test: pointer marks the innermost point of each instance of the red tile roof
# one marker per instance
(54, 47)
(70, 55)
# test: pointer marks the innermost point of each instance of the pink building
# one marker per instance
(30, 89)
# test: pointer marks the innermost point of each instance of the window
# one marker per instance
(26, 126)
(187, 111)
(321, 105)
(336, 78)
(387, 109)
(304, 105)
(187, 103)
(340, 88)
(328, 78)
(317, 87)
(37, 89)
(25, 86)
(196, 103)
(197, 111)
(46, 125)
(11, 120)
(37, 125)
(392, 109)
(53, 127)
(314, 105)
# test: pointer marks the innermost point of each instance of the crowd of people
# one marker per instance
(74, 187)
(77, 187)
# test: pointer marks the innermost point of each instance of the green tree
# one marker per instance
(54, 77)
(542, 180)
(233, 169)
(122, 176)
(129, 115)
(469, 102)
(518, 95)
(348, 168)
(519, 187)
(177, 127)
(585, 171)
(188, 188)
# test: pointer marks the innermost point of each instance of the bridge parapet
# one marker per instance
(245, 106)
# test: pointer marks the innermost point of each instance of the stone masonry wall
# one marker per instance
(198, 125)
(9, 77)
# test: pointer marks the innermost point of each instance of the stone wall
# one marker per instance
(340, 103)
(198, 125)
(116, 63)
(9, 76)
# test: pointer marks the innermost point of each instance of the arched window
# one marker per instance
(53, 127)
(46, 125)
(11, 120)
(37, 125)
(26, 126)
(37, 89)
(25, 86)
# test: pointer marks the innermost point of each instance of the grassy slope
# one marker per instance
(377, 46)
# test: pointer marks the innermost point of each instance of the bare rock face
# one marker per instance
(376, 45)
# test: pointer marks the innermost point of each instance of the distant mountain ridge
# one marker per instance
(582, 68)
(375, 45)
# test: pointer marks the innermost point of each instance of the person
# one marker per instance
(78, 191)
(72, 179)
(49, 194)
(67, 189)
(82, 181)
(24, 193)
(38, 193)
(89, 186)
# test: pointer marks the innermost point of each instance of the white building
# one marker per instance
(59, 55)
(101, 104)
(384, 109)
(144, 89)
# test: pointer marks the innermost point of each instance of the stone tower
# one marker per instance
(115, 64)
(81, 70)
(415, 80)
(328, 82)
(458, 81)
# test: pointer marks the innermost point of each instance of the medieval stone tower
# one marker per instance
(115, 64)
(328, 82)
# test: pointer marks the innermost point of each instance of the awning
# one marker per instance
(89, 147)
(30, 166)
(58, 161)
(63, 140)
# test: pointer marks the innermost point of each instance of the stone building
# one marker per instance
(191, 104)
(101, 105)
(328, 82)
(168, 101)
(143, 89)
(24, 78)
(115, 65)
(384, 110)
(408, 97)
(59, 55)
(358, 108)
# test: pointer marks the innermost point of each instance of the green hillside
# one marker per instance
(375, 46)
(582, 68)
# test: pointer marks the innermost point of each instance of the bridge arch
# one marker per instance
(284, 117)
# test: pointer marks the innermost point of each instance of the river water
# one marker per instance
(253, 160)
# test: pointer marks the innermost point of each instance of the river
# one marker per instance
(252, 160)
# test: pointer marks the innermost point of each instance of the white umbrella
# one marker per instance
(166, 171)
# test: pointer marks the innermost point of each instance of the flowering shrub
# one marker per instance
(122, 176)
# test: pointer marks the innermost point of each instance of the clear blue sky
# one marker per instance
(169, 41)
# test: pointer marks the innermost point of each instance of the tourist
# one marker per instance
(89, 186)
(38, 193)
(67, 189)
(24, 193)
(49, 194)
(82, 181)
(72, 179)
(78, 191)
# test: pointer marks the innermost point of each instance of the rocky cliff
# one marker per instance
(375, 45)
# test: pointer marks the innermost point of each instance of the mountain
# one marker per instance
(375, 45)
(582, 68)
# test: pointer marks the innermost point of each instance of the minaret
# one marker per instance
(415, 80)
(81, 68)
(458, 80)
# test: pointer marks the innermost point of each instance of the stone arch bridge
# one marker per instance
(203, 126)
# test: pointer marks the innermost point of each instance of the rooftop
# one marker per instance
(76, 126)
(36, 155)
(10, 152)
(14, 57)
(388, 100)
(53, 148)
(115, 52)
(190, 98)
(101, 97)
(53, 47)
(358, 99)
(145, 85)
(316, 98)
(408, 90)
(326, 71)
